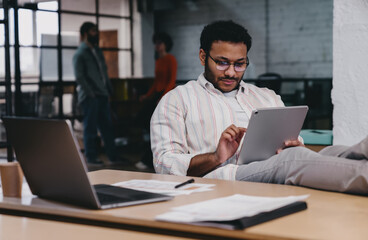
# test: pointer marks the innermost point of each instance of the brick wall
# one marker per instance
(350, 82)
(299, 40)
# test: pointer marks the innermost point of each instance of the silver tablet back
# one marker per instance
(268, 129)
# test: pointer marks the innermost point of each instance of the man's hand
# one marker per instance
(290, 143)
(229, 142)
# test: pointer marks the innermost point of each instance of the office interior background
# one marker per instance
(300, 49)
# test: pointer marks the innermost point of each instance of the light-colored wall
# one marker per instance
(301, 38)
(300, 34)
(350, 71)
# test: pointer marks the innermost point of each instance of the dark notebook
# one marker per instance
(238, 211)
(256, 219)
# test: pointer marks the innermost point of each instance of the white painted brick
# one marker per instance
(349, 94)
(300, 42)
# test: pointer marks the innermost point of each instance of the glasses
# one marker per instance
(224, 65)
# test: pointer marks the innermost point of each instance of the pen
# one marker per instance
(185, 183)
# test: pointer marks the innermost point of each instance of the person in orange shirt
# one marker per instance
(165, 67)
(165, 77)
(165, 80)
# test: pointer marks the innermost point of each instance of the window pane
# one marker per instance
(80, 5)
(29, 62)
(124, 64)
(118, 30)
(113, 7)
(68, 71)
(70, 26)
(26, 33)
(68, 103)
(70, 39)
(67, 39)
(2, 33)
(51, 5)
(11, 26)
(2, 64)
(2, 91)
(49, 69)
(47, 24)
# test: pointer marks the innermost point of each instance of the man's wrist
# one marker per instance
(216, 158)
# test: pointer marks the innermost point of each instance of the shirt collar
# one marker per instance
(244, 87)
(83, 45)
(204, 83)
(209, 86)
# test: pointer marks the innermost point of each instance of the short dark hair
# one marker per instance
(86, 26)
(165, 38)
(227, 31)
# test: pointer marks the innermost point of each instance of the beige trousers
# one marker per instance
(335, 168)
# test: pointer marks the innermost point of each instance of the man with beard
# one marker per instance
(93, 90)
(197, 128)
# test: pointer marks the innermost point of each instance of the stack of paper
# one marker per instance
(236, 211)
(164, 187)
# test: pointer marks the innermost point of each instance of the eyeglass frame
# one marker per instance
(217, 61)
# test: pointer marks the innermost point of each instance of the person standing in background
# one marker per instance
(94, 88)
(165, 80)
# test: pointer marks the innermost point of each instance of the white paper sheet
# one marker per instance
(164, 187)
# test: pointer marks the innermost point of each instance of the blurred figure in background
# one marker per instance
(165, 76)
(165, 80)
(94, 88)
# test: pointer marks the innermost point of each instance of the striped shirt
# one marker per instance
(190, 119)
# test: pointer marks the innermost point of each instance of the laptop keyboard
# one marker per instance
(110, 195)
(107, 198)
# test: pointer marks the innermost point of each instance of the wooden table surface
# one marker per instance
(329, 215)
(24, 228)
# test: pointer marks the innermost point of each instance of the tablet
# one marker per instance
(268, 129)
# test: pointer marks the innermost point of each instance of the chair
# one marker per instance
(271, 81)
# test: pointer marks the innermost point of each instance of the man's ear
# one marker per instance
(202, 56)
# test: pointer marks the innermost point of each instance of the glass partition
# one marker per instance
(40, 52)
(113, 7)
(88, 6)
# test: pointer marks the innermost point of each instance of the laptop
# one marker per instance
(55, 169)
(268, 129)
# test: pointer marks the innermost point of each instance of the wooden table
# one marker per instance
(315, 148)
(329, 215)
(23, 228)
